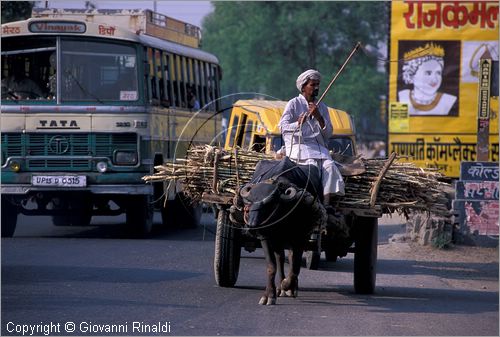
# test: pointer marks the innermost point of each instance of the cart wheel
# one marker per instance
(312, 259)
(365, 255)
(227, 251)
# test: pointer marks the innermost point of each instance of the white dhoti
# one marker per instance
(332, 180)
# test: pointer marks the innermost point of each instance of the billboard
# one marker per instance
(434, 85)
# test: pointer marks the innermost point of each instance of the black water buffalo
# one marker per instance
(281, 207)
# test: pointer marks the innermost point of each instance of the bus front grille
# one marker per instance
(65, 151)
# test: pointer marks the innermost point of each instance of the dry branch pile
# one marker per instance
(387, 185)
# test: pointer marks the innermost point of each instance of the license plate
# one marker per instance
(59, 181)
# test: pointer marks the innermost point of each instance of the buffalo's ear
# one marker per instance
(289, 194)
(245, 190)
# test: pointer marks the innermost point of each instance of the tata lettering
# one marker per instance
(58, 124)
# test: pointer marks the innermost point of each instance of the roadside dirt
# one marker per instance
(469, 268)
(407, 250)
(455, 253)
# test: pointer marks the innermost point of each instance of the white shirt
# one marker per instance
(310, 140)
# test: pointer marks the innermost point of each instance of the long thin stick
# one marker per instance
(338, 73)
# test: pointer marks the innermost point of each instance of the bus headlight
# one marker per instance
(15, 166)
(125, 157)
(102, 166)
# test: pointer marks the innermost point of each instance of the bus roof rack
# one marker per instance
(141, 21)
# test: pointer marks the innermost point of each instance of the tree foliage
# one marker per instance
(16, 10)
(264, 46)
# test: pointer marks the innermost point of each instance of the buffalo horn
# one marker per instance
(245, 190)
(289, 194)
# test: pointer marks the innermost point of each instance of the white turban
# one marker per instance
(310, 74)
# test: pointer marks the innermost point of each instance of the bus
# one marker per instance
(91, 102)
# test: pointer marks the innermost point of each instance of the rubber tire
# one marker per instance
(178, 213)
(312, 259)
(81, 212)
(227, 251)
(365, 255)
(139, 215)
(9, 218)
(330, 254)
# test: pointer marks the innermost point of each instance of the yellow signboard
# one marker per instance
(438, 45)
(399, 120)
(444, 152)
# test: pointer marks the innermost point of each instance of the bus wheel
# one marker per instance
(80, 212)
(139, 214)
(83, 208)
(61, 220)
(9, 218)
(181, 212)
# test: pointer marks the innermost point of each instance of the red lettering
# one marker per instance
(450, 14)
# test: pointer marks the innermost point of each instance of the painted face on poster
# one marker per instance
(429, 77)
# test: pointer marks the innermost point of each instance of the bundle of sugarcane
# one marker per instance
(386, 184)
(210, 169)
(396, 186)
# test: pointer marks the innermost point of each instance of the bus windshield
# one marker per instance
(72, 70)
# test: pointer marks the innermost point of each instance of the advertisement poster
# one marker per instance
(438, 46)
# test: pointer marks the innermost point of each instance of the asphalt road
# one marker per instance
(55, 279)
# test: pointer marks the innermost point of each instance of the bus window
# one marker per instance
(167, 98)
(207, 82)
(27, 71)
(203, 84)
(184, 81)
(199, 82)
(211, 84)
(163, 74)
(176, 76)
(156, 76)
(95, 71)
(216, 86)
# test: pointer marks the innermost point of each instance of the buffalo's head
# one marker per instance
(270, 201)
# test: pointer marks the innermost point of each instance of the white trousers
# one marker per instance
(332, 180)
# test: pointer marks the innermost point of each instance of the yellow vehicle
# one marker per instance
(254, 125)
